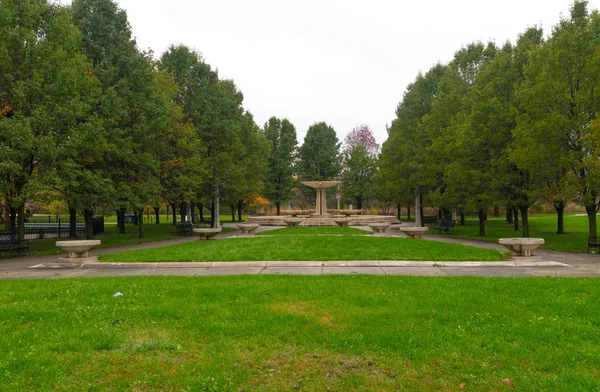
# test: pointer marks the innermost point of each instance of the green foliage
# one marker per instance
(319, 155)
(278, 179)
(46, 93)
(558, 104)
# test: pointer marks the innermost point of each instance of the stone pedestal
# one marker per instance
(379, 228)
(414, 232)
(207, 233)
(321, 187)
(79, 251)
(522, 248)
(342, 222)
(248, 228)
(292, 222)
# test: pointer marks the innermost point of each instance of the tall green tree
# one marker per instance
(45, 92)
(403, 158)
(359, 155)
(558, 102)
(132, 111)
(453, 165)
(215, 108)
(279, 179)
(319, 156)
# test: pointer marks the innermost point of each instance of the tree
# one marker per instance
(403, 157)
(319, 155)
(132, 110)
(179, 148)
(359, 165)
(45, 91)
(215, 108)
(459, 174)
(278, 179)
(558, 105)
(251, 165)
(362, 136)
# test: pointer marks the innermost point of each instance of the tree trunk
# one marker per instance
(408, 211)
(240, 206)
(174, 212)
(183, 207)
(122, 221)
(232, 212)
(516, 218)
(525, 221)
(481, 214)
(201, 208)
(89, 224)
(21, 224)
(399, 210)
(72, 223)
(278, 206)
(157, 215)
(496, 211)
(212, 215)
(462, 218)
(140, 217)
(421, 209)
(14, 213)
(591, 213)
(559, 206)
(509, 215)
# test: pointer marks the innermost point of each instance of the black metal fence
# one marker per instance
(55, 228)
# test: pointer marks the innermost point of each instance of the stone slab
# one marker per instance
(292, 271)
(486, 271)
(231, 271)
(236, 264)
(352, 270)
(364, 263)
(295, 264)
(414, 271)
(541, 264)
(474, 264)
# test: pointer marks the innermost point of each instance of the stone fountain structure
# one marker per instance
(320, 217)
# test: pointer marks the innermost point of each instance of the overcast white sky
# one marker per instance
(345, 62)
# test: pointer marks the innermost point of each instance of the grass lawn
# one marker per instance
(319, 244)
(273, 333)
(542, 226)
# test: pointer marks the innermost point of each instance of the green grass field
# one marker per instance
(543, 226)
(311, 243)
(274, 333)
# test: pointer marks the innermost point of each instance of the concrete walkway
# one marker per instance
(554, 264)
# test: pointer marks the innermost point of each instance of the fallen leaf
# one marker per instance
(508, 382)
(462, 385)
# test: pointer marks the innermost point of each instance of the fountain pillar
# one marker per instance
(321, 188)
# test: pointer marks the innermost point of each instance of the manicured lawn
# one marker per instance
(273, 333)
(308, 247)
(543, 226)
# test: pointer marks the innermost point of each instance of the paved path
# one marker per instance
(578, 265)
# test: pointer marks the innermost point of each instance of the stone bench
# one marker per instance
(342, 222)
(379, 227)
(207, 233)
(292, 222)
(413, 232)
(248, 228)
(522, 248)
(79, 251)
